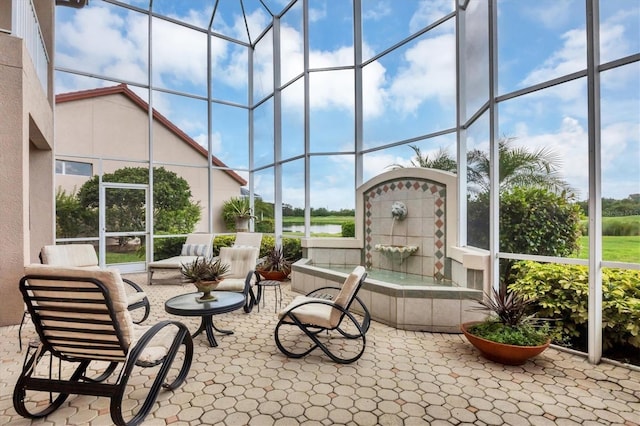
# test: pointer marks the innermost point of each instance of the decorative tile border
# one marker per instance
(438, 190)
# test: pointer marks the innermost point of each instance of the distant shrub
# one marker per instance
(265, 225)
(349, 229)
(291, 246)
(624, 226)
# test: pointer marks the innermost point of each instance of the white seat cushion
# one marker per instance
(231, 284)
(314, 313)
(135, 297)
(174, 262)
(83, 255)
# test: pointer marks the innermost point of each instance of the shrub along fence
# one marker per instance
(562, 292)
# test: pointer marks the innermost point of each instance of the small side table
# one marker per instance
(276, 287)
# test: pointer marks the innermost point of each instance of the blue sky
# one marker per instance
(408, 93)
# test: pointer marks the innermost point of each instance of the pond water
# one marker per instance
(315, 229)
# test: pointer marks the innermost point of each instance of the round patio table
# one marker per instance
(186, 305)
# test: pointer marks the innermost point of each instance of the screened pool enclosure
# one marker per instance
(301, 102)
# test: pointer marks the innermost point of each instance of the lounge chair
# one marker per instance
(248, 239)
(196, 245)
(81, 316)
(242, 275)
(84, 256)
(322, 312)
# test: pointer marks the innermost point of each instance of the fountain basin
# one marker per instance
(408, 302)
(396, 252)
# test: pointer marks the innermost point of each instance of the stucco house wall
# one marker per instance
(26, 157)
(108, 127)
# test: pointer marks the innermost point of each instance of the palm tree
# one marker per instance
(442, 160)
(518, 167)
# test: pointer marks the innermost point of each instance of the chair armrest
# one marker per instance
(155, 354)
(137, 288)
(321, 294)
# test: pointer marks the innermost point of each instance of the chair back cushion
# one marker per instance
(241, 260)
(72, 313)
(248, 239)
(82, 255)
(198, 244)
(347, 292)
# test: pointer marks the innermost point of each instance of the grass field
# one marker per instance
(323, 220)
(619, 249)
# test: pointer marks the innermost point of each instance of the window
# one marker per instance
(76, 168)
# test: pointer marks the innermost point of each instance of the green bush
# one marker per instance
(562, 292)
(291, 246)
(532, 221)
(266, 225)
(164, 248)
(72, 218)
(349, 229)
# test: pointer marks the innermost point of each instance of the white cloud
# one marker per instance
(317, 14)
(571, 56)
(379, 11)
(216, 141)
(430, 11)
(422, 79)
(551, 13)
(94, 39)
(570, 142)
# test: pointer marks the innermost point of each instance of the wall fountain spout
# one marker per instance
(396, 253)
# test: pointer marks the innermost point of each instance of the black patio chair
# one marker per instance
(321, 313)
(81, 318)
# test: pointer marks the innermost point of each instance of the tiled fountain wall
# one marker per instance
(424, 227)
(453, 275)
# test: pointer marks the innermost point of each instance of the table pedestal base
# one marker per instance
(208, 326)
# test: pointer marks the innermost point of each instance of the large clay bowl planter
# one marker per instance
(274, 275)
(500, 352)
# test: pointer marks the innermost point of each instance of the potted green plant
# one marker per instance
(510, 334)
(237, 210)
(205, 274)
(274, 266)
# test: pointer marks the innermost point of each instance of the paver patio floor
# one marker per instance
(403, 378)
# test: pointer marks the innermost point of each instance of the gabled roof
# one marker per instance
(137, 100)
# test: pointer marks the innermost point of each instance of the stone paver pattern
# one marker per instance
(403, 378)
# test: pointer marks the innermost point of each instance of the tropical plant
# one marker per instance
(203, 269)
(275, 260)
(510, 320)
(441, 160)
(518, 167)
(236, 208)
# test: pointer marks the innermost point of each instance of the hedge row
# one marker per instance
(562, 292)
(291, 246)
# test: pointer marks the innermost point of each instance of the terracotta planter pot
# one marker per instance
(274, 275)
(500, 352)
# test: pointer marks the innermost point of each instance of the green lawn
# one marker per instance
(318, 220)
(619, 249)
(127, 257)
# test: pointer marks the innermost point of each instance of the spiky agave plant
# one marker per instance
(510, 321)
(203, 269)
(275, 261)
